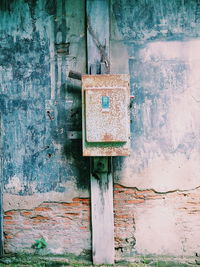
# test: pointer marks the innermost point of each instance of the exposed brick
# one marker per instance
(73, 214)
(26, 213)
(129, 192)
(10, 212)
(8, 217)
(42, 209)
(7, 226)
(40, 218)
(8, 222)
(118, 186)
(122, 216)
(134, 201)
(70, 221)
(78, 199)
(8, 236)
(155, 197)
(71, 204)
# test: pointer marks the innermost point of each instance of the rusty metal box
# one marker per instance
(106, 123)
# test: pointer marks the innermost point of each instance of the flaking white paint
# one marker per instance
(14, 202)
(167, 155)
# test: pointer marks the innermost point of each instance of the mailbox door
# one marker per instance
(106, 115)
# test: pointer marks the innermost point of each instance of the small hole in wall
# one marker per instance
(49, 115)
(49, 155)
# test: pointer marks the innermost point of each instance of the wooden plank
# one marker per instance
(1, 220)
(101, 180)
(1, 191)
(98, 35)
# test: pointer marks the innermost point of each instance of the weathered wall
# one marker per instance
(64, 226)
(45, 178)
(157, 42)
(40, 41)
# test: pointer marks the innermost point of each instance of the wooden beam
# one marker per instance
(101, 167)
(102, 214)
(1, 191)
(1, 220)
(102, 218)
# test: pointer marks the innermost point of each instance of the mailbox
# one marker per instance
(105, 116)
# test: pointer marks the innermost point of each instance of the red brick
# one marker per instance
(155, 197)
(118, 186)
(8, 226)
(42, 209)
(40, 218)
(129, 191)
(122, 216)
(7, 217)
(135, 201)
(121, 196)
(80, 199)
(10, 212)
(85, 202)
(72, 213)
(8, 236)
(28, 222)
(8, 222)
(39, 221)
(122, 224)
(71, 204)
(26, 213)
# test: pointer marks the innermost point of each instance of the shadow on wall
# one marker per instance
(73, 147)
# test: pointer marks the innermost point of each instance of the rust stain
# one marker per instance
(107, 137)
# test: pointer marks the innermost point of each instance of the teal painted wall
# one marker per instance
(157, 43)
(39, 42)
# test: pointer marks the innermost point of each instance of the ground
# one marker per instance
(24, 260)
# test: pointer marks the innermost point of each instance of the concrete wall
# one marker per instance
(40, 41)
(45, 178)
(157, 42)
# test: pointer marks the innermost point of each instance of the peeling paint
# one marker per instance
(35, 94)
(15, 201)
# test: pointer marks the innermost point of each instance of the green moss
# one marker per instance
(32, 260)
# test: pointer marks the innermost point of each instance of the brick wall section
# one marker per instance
(66, 226)
(125, 202)
(130, 203)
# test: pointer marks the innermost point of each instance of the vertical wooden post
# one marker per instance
(98, 33)
(1, 218)
(1, 191)
(101, 181)
(102, 215)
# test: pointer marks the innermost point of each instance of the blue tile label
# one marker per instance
(105, 102)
